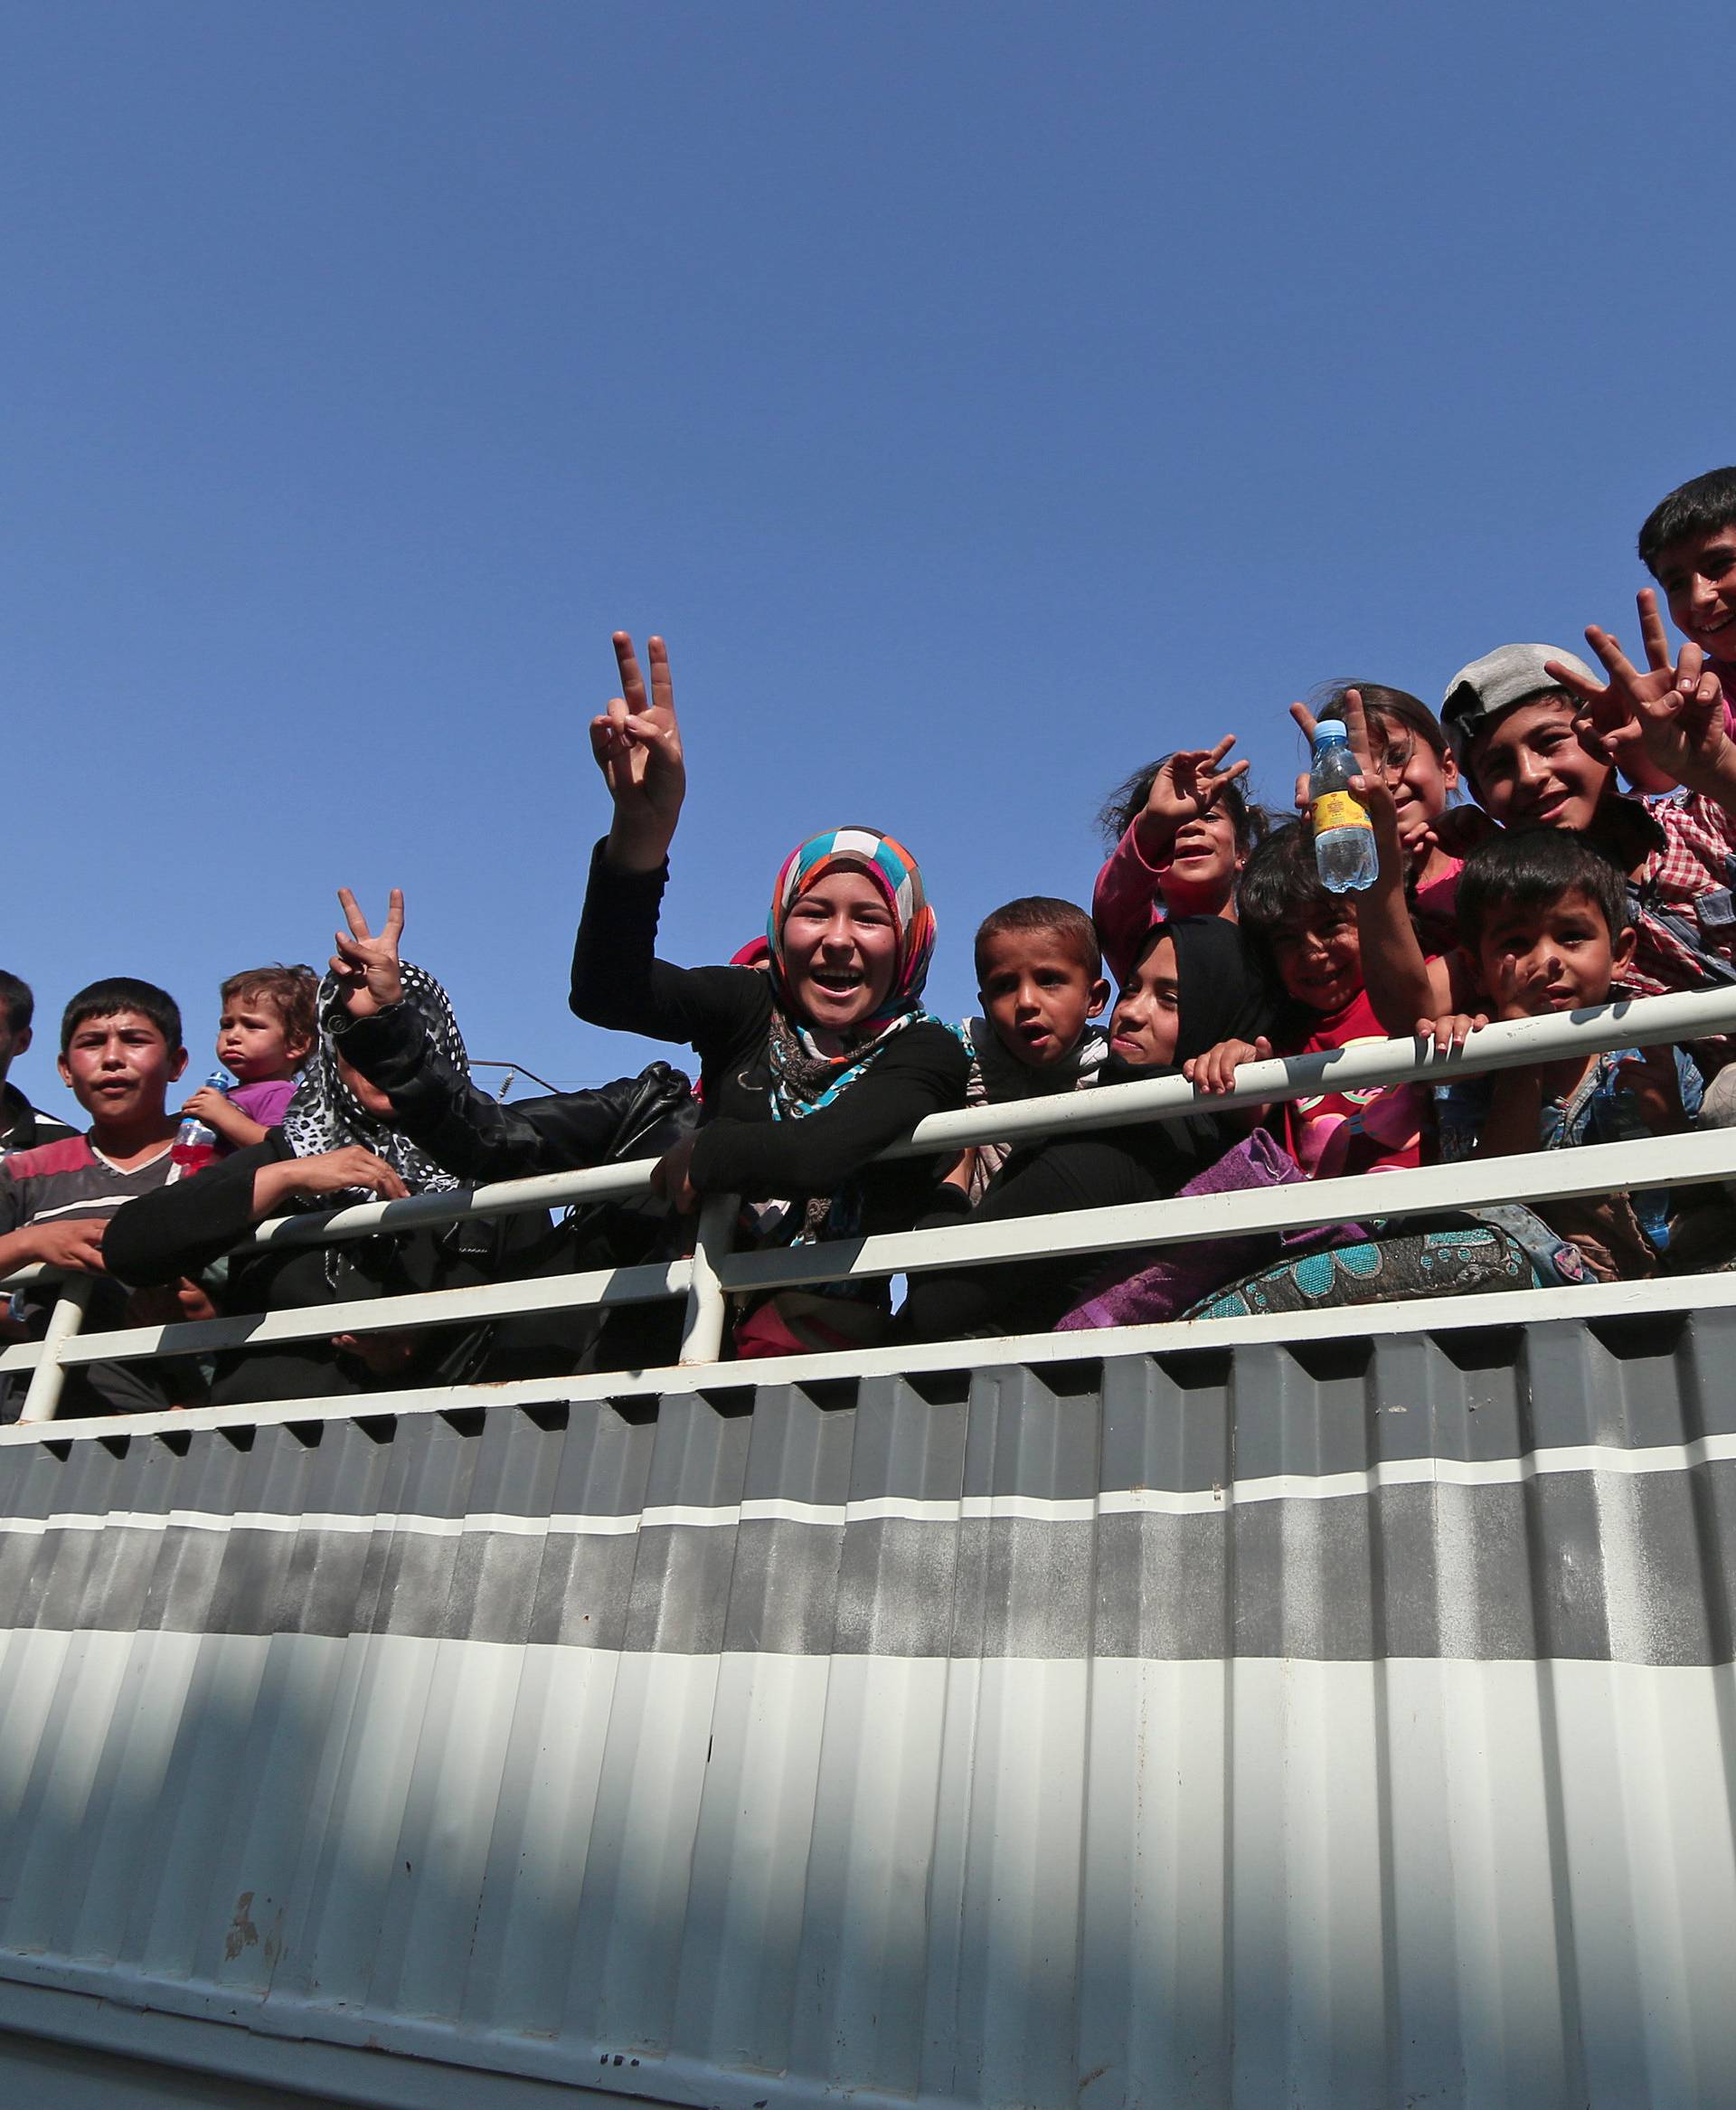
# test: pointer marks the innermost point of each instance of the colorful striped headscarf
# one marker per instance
(898, 876)
(803, 1079)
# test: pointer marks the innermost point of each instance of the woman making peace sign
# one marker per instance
(808, 1070)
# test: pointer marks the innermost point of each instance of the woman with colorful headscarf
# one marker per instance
(808, 1069)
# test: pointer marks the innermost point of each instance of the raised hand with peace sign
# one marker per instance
(637, 747)
(368, 967)
(1669, 717)
(1186, 785)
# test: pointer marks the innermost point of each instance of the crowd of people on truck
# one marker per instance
(1557, 834)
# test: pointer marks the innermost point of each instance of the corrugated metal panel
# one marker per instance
(1335, 1724)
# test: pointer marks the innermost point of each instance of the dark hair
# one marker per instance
(1280, 877)
(122, 992)
(1391, 705)
(1043, 911)
(1529, 867)
(1126, 803)
(1700, 506)
(16, 1001)
(289, 990)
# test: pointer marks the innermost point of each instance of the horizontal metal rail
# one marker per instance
(713, 1274)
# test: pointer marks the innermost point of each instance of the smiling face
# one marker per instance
(1146, 1021)
(120, 1068)
(1037, 994)
(252, 1042)
(1198, 877)
(1419, 779)
(1535, 958)
(1531, 770)
(1318, 954)
(840, 950)
(1698, 575)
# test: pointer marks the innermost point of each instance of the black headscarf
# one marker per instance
(1219, 995)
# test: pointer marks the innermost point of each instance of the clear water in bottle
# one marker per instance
(1344, 842)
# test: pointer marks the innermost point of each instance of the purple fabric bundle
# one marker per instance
(1183, 1275)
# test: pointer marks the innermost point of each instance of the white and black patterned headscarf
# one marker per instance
(325, 1115)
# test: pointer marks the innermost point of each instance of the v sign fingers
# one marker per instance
(368, 966)
(1652, 635)
(638, 746)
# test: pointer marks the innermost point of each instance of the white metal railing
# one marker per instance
(713, 1273)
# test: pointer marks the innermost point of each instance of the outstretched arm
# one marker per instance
(180, 1229)
(1402, 986)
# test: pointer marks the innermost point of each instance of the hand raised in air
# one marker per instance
(1186, 785)
(1669, 717)
(368, 967)
(637, 747)
(1350, 714)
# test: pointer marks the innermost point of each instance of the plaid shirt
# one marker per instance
(1692, 843)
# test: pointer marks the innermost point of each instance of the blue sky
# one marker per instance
(982, 399)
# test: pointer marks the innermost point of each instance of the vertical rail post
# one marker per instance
(43, 1399)
(702, 1326)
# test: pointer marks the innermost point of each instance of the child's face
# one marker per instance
(1419, 779)
(840, 950)
(1557, 956)
(1318, 953)
(1038, 994)
(1199, 875)
(1532, 771)
(253, 1043)
(1698, 575)
(120, 1068)
(1146, 1021)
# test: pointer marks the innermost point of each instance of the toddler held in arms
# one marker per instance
(265, 1034)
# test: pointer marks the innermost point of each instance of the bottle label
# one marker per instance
(1338, 809)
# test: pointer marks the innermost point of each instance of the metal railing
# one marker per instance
(713, 1273)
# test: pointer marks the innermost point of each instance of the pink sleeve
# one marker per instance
(264, 1101)
(1125, 906)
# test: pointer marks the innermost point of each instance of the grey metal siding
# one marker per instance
(1346, 1724)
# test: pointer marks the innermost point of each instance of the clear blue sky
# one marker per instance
(981, 398)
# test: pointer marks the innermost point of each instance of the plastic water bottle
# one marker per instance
(193, 1135)
(1344, 842)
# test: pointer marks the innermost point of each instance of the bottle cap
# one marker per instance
(1331, 729)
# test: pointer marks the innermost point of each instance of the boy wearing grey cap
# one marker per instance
(1536, 733)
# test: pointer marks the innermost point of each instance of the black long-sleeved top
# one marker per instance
(1141, 1164)
(469, 1132)
(724, 1014)
(182, 1229)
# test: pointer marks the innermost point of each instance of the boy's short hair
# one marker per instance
(1529, 867)
(17, 1002)
(1702, 505)
(1126, 803)
(123, 992)
(1482, 692)
(1044, 912)
(291, 993)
